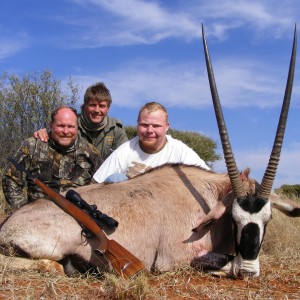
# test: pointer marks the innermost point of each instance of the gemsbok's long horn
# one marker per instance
(232, 169)
(269, 176)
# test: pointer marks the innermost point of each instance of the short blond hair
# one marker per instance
(98, 92)
(151, 107)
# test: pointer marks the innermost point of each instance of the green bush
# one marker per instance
(291, 190)
(130, 131)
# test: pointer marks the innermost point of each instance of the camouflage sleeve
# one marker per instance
(14, 181)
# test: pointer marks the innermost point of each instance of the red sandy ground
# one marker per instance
(270, 285)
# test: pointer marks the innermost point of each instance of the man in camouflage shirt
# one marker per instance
(64, 161)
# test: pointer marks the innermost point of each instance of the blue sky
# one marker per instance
(152, 51)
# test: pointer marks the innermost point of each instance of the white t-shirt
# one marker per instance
(130, 160)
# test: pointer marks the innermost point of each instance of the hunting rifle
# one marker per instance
(121, 260)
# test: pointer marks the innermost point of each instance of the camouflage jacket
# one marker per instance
(106, 140)
(57, 169)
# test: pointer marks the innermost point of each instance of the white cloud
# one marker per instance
(12, 45)
(270, 15)
(146, 22)
(137, 82)
(131, 22)
(240, 84)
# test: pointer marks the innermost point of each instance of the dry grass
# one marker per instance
(2, 204)
(280, 277)
(277, 281)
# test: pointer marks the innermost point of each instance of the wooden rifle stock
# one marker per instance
(122, 261)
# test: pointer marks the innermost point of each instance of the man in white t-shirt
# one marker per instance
(152, 147)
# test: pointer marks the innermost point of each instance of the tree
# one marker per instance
(204, 146)
(26, 104)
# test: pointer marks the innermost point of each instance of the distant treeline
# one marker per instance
(290, 190)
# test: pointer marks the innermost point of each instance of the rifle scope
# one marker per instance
(91, 210)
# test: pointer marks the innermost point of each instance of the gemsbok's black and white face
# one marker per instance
(250, 216)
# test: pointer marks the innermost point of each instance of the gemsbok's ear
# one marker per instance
(285, 205)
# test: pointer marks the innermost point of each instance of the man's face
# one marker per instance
(96, 111)
(64, 129)
(152, 128)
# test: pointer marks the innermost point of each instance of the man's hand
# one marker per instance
(41, 134)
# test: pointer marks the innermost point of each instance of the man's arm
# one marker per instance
(110, 166)
(14, 181)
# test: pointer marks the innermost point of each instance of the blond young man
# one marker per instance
(152, 147)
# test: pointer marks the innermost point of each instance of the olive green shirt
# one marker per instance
(107, 139)
(59, 169)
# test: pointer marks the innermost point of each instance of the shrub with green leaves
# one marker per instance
(291, 190)
(26, 104)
